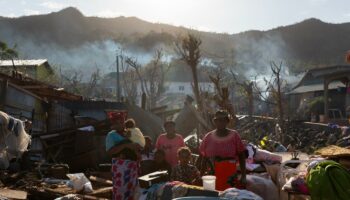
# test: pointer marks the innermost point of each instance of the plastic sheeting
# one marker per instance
(13, 139)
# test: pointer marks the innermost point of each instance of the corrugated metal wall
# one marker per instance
(21, 103)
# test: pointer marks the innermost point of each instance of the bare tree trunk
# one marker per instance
(190, 53)
(277, 73)
(250, 100)
(196, 86)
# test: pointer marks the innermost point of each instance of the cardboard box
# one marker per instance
(148, 180)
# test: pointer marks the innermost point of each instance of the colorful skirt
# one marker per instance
(124, 175)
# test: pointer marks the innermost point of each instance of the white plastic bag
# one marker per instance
(80, 182)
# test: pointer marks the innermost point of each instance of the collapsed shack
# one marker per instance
(65, 129)
(148, 123)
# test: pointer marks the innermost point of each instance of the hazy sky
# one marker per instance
(230, 16)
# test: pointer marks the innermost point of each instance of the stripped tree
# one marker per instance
(151, 77)
(189, 51)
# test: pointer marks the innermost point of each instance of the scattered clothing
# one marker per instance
(328, 180)
(296, 184)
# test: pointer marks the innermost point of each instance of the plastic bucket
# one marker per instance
(209, 182)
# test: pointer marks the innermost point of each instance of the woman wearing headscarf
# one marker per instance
(125, 155)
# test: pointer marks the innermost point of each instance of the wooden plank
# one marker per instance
(27, 92)
(34, 86)
(74, 128)
(100, 180)
(89, 197)
(102, 190)
(13, 194)
(3, 90)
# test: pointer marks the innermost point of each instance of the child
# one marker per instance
(147, 152)
(147, 157)
(160, 163)
(134, 134)
(184, 171)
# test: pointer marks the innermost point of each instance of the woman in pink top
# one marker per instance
(224, 144)
(170, 142)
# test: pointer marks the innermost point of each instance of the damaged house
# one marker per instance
(38, 69)
(307, 97)
(59, 118)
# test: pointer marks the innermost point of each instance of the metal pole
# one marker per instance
(118, 82)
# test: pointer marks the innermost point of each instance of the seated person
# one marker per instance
(147, 157)
(184, 171)
(160, 163)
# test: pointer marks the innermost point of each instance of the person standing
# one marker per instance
(223, 147)
(125, 155)
(170, 143)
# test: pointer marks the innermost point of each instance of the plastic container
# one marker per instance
(209, 182)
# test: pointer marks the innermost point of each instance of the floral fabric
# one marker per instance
(124, 175)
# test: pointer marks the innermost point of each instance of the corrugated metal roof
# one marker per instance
(37, 62)
(317, 75)
(316, 87)
(326, 71)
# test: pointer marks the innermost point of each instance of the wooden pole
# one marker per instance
(326, 82)
(3, 93)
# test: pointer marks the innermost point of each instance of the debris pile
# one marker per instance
(53, 181)
(305, 137)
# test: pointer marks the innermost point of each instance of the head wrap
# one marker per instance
(117, 116)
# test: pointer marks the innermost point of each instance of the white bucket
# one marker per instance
(209, 182)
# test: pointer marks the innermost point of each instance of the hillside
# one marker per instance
(71, 40)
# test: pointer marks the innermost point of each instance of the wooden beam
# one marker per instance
(325, 87)
(13, 194)
(100, 180)
(34, 86)
(3, 92)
